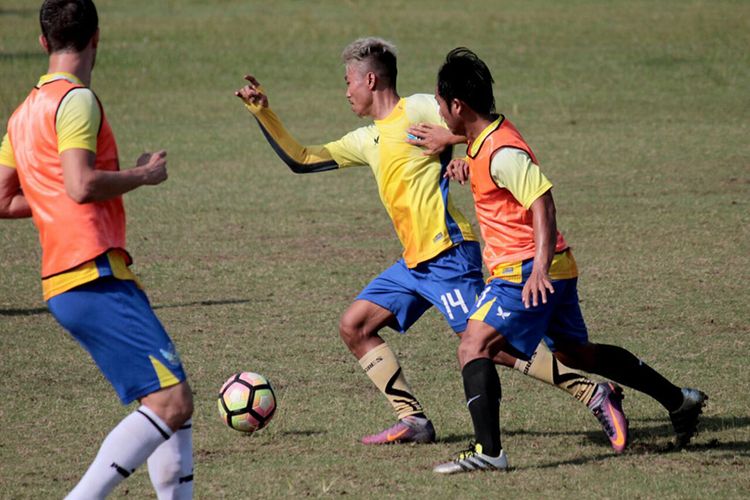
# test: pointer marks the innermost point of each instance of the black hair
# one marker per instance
(68, 24)
(383, 63)
(465, 77)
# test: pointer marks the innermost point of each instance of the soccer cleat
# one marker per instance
(685, 418)
(472, 459)
(606, 405)
(406, 430)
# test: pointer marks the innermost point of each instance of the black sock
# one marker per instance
(620, 365)
(482, 389)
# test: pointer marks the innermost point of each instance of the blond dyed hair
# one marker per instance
(374, 54)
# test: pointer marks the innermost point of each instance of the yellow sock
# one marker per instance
(543, 366)
(381, 365)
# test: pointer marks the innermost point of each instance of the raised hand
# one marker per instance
(253, 95)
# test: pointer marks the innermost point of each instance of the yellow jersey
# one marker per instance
(410, 184)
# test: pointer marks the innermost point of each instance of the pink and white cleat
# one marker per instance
(406, 430)
(606, 405)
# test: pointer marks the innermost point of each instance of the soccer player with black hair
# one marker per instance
(441, 262)
(532, 292)
(59, 165)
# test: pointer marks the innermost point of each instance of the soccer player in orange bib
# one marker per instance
(441, 264)
(532, 290)
(59, 165)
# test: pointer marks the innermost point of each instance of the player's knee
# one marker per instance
(471, 347)
(184, 407)
(177, 407)
(351, 330)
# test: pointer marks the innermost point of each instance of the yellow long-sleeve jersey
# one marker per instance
(411, 185)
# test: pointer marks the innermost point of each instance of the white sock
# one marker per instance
(125, 448)
(171, 465)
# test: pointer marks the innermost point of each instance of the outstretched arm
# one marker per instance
(300, 159)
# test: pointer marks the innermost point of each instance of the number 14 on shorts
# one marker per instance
(453, 299)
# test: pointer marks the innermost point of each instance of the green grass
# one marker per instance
(638, 112)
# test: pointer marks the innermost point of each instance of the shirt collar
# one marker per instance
(476, 144)
(59, 75)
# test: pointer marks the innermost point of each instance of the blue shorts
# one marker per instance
(112, 319)
(500, 306)
(451, 282)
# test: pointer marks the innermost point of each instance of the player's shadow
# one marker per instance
(662, 428)
(203, 303)
(642, 438)
(32, 311)
(305, 433)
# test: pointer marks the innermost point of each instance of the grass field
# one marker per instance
(639, 114)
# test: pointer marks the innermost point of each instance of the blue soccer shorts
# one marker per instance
(112, 319)
(500, 306)
(451, 282)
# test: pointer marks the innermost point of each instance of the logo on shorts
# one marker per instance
(170, 355)
(502, 313)
(437, 237)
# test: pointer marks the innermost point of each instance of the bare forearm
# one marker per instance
(85, 184)
(103, 185)
(538, 284)
(545, 231)
(457, 139)
(433, 138)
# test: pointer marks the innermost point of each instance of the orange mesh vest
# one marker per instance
(507, 227)
(70, 233)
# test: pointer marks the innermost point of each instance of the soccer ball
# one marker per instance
(246, 402)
